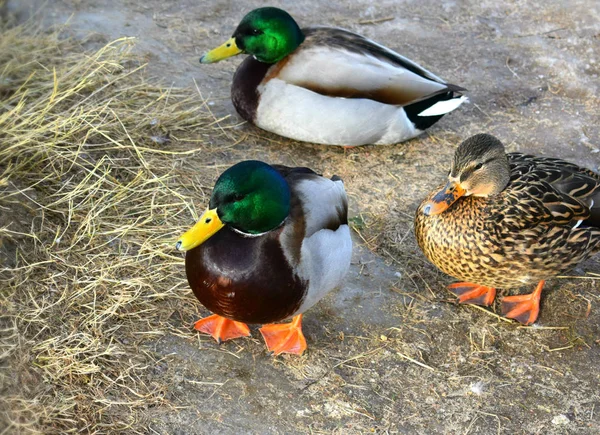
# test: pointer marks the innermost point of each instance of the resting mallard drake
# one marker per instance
(509, 220)
(273, 241)
(328, 85)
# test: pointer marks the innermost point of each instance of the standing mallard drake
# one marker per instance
(508, 220)
(273, 241)
(328, 85)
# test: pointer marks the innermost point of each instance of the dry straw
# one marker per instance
(99, 173)
(92, 196)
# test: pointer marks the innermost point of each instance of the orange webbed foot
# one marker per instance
(470, 293)
(222, 329)
(286, 337)
(523, 308)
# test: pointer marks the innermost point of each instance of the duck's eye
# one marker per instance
(479, 166)
(256, 32)
(238, 197)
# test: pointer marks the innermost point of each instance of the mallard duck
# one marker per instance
(273, 241)
(508, 220)
(328, 85)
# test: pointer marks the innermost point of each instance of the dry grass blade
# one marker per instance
(89, 170)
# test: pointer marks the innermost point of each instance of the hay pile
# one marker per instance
(92, 197)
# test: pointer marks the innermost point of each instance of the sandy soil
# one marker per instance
(390, 352)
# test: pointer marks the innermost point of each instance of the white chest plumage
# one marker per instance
(301, 114)
(336, 96)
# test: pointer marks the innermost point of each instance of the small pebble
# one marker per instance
(561, 419)
(477, 388)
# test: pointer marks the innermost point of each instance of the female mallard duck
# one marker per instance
(328, 85)
(507, 220)
(273, 241)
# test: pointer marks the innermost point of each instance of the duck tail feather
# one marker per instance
(443, 107)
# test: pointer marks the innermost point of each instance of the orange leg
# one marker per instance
(470, 293)
(286, 337)
(523, 308)
(222, 329)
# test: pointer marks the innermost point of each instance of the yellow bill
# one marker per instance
(204, 229)
(221, 52)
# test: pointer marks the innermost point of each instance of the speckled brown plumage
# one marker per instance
(528, 232)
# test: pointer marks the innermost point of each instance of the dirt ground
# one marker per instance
(389, 352)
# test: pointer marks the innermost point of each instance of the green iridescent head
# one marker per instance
(251, 197)
(269, 34)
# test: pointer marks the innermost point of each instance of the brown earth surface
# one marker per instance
(389, 352)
